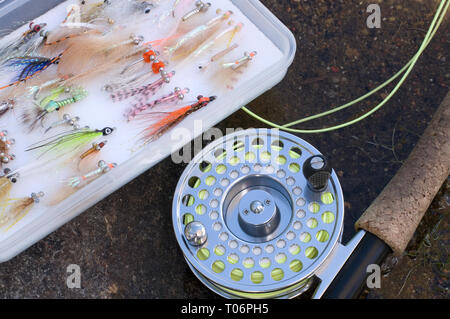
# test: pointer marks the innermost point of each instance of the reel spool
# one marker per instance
(257, 214)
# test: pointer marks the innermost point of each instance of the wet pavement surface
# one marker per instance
(125, 245)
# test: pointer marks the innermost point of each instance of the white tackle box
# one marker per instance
(276, 48)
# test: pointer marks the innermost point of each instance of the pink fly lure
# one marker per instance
(177, 95)
(145, 90)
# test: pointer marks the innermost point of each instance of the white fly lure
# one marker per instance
(188, 43)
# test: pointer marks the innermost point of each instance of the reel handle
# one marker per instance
(317, 171)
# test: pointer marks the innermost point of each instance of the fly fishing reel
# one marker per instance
(258, 214)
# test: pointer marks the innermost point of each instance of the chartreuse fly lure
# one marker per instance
(51, 104)
(67, 142)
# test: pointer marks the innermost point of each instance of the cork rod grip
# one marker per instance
(397, 211)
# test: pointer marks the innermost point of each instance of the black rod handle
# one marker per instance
(351, 279)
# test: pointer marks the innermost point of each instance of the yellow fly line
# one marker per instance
(406, 70)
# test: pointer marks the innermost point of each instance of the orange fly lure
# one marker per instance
(170, 119)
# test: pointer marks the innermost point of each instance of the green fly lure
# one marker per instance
(49, 104)
(68, 142)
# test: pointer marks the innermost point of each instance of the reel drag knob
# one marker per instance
(317, 172)
(258, 213)
(195, 233)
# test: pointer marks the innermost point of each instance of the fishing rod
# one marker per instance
(390, 222)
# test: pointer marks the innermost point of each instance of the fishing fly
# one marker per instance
(136, 10)
(95, 149)
(13, 210)
(28, 67)
(140, 74)
(103, 167)
(36, 90)
(68, 142)
(200, 7)
(190, 41)
(27, 44)
(217, 47)
(234, 65)
(66, 120)
(226, 36)
(164, 21)
(92, 54)
(216, 57)
(170, 119)
(144, 6)
(55, 40)
(49, 104)
(82, 19)
(174, 7)
(5, 145)
(7, 181)
(84, 11)
(6, 106)
(177, 95)
(75, 183)
(229, 72)
(147, 90)
(33, 30)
